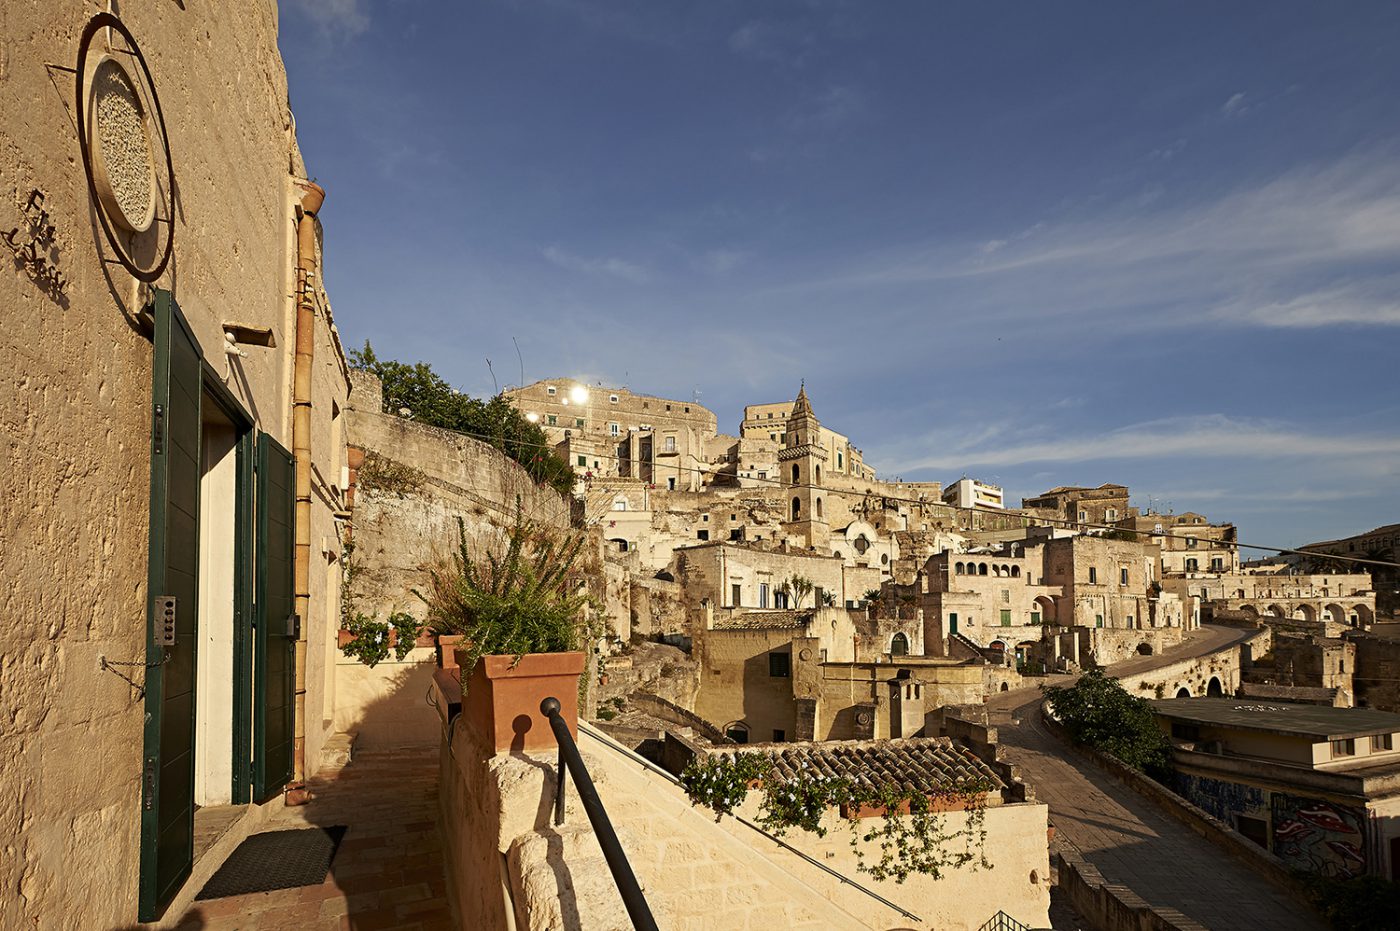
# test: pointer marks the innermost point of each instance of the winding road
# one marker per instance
(1125, 836)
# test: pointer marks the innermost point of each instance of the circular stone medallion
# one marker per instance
(124, 169)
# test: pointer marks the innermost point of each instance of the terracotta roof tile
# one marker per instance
(921, 763)
(764, 620)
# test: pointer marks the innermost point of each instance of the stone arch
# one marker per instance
(622, 545)
(796, 473)
(996, 570)
(1304, 612)
(982, 568)
(1275, 611)
(899, 645)
(1214, 689)
(1015, 572)
(819, 473)
(796, 508)
(1005, 687)
(1046, 604)
(1363, 614)
(958, 569)
(819, 509)
(1250, 610)
(1335, 613)
(1144, 649)
(737, 731)
(1183, 692)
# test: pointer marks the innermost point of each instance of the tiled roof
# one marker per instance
(764, 620)
(920, 763)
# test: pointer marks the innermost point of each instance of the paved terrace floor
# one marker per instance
(1127, 838)
(388, 872)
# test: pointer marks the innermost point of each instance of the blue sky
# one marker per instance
(1035, 243)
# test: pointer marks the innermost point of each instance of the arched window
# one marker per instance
(899, 646)
(819, 509)
(982, 568)
(796, 508)
(958, 569)
(1015, 572)
(819, 474)
(795, 473)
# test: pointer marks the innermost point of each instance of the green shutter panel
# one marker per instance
(167, 778)
(274, 643)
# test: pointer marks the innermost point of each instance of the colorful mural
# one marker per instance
(1318, 837)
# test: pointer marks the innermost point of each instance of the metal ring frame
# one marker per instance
(108, 21)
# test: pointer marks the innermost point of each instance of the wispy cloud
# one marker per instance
(1317, 246)
(721, 261)
(336, 19)
(1235, 105)
(614, 267)
(827, 109)
(788, 44)
(1213, 436)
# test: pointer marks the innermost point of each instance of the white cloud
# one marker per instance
(1209, 436)
(336, 19)
(617, 268)
(1235, 106)
(722, 261)
(828, 109)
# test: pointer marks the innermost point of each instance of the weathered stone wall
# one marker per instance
(75, 425)
(403, 526)
(1194, 675)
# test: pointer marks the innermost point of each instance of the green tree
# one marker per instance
(429, 399)
(796, 587)
(1099, 713)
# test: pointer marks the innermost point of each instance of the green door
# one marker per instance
(167, 778)
(1005, 618)
(952, 623)
(274, 620)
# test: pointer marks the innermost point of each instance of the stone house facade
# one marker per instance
(173, 428)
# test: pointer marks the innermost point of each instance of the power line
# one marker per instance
(1028, 519)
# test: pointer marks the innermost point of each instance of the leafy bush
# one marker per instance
(1366, 903)
(519, 596)
(431, 400)
(1098, 712)
(373, 638)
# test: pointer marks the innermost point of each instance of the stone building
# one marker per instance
(1190, 543)
(1327, 603)
(995, 601)
(769, 422)
(1317, 786)
(1379, 545)
(1073, 504)
(970, 493)
(173, 433)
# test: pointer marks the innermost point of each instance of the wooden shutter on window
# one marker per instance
(167, 777)
(275, 635)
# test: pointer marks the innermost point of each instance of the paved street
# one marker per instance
(388, 872)
(1125, 836)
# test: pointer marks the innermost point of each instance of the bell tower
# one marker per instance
(802, 462)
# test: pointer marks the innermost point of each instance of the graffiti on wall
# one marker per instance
(1318, 836)
(1223, 799)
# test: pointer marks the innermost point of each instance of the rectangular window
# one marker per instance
(1190, 543)
(671, 483)
(763, 594)
(702, 534)
(1093, 576)
(1006, 596)
(612, 399)
(1098, 620)
(551, 419)
(1185, 731)
(1035, 617)
(735, 595)
(840, 462)
(670, 444)
(578, 421)
(705, 518)
(1343, 748)
(1122, 576)
(779, 735)
(583, 462)
(1191, 565)
(1005, 618)
(551, 391)
(1381, 742)
(1217, 563)
(736, 534)
(780, 665)
(615, 429)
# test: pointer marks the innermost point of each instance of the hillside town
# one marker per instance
(303, 636)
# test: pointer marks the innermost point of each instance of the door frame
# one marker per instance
(241, 789)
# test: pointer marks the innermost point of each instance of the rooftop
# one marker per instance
(1281, 717)
(928, 764)
(764, 620)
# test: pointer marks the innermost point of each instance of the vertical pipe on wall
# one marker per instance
(311, 200)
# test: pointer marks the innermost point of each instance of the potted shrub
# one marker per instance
(524, 620)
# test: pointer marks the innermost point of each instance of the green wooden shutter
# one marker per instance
(274, 643)
(167, 778)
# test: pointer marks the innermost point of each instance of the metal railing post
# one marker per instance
(559, 792)
(613, 853)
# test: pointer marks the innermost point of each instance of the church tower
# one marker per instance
(801, 462)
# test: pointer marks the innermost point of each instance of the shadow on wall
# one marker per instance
(389, 868)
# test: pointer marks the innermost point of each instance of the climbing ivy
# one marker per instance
(911, 832)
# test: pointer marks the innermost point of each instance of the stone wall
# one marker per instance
(405, 521)
(75, 426)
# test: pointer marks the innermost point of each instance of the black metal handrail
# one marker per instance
(613, 853)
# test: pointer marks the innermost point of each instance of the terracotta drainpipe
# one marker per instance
(311, 200)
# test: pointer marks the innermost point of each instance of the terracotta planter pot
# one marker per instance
(447, 645)
(501, 699)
